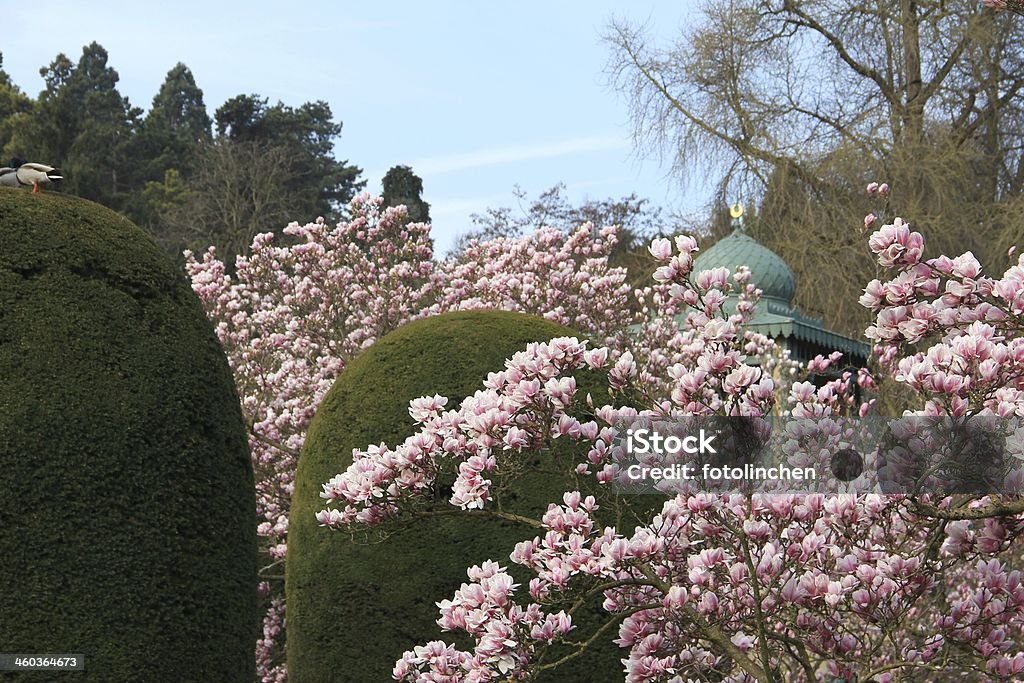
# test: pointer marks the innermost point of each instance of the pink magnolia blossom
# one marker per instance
(291, 317)
(715, 585)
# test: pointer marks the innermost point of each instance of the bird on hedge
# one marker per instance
(22, 173)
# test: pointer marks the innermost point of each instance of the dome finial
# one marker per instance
(736, 211)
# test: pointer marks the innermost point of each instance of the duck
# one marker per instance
(22, 173)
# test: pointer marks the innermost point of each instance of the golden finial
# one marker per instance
(736, 211)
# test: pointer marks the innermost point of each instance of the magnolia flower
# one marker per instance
(828, 568)
(661, 248)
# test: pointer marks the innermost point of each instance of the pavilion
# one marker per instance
(775, 316)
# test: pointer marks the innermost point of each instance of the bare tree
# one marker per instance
(239, 189)
(799, 103)
(637, 219)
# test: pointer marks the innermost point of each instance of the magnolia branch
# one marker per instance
(1000, 508)
(712, 632)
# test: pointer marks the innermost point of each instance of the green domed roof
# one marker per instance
(775, 315)
(767, 270)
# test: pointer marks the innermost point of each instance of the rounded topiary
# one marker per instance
(126, 512)
(354, 608)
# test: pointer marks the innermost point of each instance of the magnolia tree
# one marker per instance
(292, 315)
(818, 586)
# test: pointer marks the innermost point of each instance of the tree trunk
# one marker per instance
(913, 104)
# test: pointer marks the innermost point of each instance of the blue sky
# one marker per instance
(476, 97)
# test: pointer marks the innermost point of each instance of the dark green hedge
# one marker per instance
(126, 491)
(354, 608)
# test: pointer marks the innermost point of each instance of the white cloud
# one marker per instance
(495, 156)
(450, 217)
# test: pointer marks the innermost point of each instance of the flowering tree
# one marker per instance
(725, 586)
(288, 320)
(293, 315)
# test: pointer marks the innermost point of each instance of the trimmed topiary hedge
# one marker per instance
(126, 491)
(354, 608)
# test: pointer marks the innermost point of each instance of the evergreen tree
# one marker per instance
(84, 125)
(267, 165)
(166, 146)
(13, 104)
(317, 183)
(175, 125)
(402, 186)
